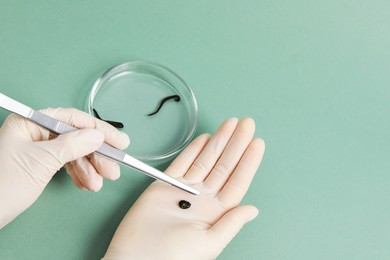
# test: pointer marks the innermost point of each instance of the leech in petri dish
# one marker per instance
(174, 97)
(113, 123)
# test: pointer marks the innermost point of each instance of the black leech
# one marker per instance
(174, 97)
(113, 123)
(183, 204)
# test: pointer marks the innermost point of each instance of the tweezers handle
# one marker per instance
(59, 127)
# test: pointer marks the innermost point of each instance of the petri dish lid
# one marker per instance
(128, 92)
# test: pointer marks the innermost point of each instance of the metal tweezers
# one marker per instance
(106, 150)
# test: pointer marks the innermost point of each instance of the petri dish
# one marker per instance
(130, 91)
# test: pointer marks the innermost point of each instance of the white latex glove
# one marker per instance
(221, 168)
(28, 159)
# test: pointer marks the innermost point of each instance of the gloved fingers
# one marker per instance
(212, 151)
(239, 182)
(106, 168)
(74, 176)
(186, 158)
(70, 146)
(80, 119)
(87, 174)
(231, 223)
(231, 155)
(17, 125)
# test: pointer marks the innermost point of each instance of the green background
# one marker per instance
(313, 74)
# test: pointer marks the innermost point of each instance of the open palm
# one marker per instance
(221, 168)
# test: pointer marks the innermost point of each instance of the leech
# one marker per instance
(174, 97)
(113, 123)
(183, 204)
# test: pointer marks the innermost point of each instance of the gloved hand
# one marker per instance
(28, 159)
(221, 168)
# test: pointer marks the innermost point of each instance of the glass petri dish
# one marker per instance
(128, 92)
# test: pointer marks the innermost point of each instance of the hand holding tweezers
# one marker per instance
(106, 150)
